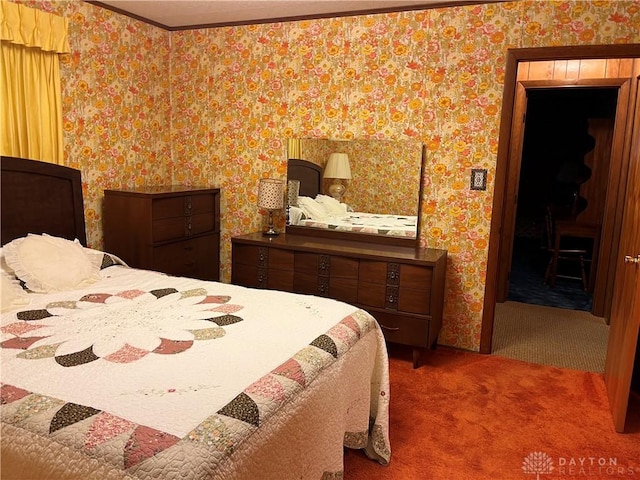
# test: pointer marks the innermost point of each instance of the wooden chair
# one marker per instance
(562, 254)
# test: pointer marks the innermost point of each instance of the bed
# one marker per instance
(110, 372)
(321, 211)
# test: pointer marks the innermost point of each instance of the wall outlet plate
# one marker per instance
(478, 179)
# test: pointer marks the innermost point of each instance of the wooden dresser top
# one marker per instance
(345, 247)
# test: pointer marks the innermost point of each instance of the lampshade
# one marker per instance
(293, 190)
(338, 166)
(270, 194)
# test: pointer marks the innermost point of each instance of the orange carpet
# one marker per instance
(463, 415)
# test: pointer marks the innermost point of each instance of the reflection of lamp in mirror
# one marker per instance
(338, 169)
(293, 189)
(270, 197)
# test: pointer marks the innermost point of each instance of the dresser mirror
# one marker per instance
(368, 189)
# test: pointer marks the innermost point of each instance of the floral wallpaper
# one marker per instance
(215, 106)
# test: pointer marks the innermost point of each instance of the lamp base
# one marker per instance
(271, 231)
(336, 190)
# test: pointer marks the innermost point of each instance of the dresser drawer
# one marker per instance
(280, 279)
(248, 275)
(326, 276)
(197, 258)
(343, 289)
(415, 289)
(343, 267)
(280, 260)
(403, 329)
(311, 264)
(262, 267)
(180, 227)
(373, 272)
(372, 294)
(262, 257)
(414, 301)
(415, 278)
(326, 265)
(372, 283)
(248, 255)
(310, 284)
(184, 205)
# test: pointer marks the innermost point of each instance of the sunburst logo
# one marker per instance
(537, 463)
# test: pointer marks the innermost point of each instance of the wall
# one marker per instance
(237, 93)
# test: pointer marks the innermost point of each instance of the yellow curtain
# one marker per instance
(294, 148)
(30, 90)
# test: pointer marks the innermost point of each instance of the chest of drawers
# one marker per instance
(172, 229)
(402, 287)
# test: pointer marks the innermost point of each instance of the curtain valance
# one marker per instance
(31, 27)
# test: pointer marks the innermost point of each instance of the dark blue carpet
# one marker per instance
(526, 282)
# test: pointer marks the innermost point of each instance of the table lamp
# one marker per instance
(270, 197)
(338, 169)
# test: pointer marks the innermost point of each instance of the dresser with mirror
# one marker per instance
(367, 256)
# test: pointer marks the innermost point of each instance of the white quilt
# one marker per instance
(144, 375)
(379, 224)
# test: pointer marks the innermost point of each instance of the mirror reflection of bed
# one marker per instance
(381, 186)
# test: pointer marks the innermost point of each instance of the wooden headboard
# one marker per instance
(309, 174)
(40, 197)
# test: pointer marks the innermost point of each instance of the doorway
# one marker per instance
(563, 168)
(565, 164)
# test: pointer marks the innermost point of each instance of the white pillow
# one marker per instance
(51, 264)
(312, 209)
(331, 205)
(12, 296)
(296, 215)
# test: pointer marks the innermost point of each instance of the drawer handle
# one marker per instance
(391, 329)
(261, 257)
(392, 299)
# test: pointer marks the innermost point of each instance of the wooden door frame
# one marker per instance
(514, 56)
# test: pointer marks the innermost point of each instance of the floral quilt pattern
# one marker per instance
(122, 327)
(94, 431)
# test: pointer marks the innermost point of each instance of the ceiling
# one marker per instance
(189, 14)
